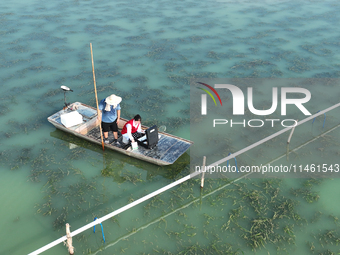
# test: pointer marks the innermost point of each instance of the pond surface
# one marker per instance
(147, 52)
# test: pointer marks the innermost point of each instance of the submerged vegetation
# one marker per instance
(150, 58)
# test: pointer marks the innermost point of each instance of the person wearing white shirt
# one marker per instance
(132, 129)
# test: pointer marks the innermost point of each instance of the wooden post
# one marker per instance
(291, 133)
(69, 239)
(203, 172)
(287, 152)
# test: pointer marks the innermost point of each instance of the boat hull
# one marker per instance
(168, 150)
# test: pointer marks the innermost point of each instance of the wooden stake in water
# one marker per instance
(69, 239)
(203, 172)
(291, 133)
(287, 152)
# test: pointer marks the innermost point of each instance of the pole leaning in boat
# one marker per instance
(95, 92)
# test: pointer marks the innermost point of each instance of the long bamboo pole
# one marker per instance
(95, 92)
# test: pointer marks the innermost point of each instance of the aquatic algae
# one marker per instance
(62, 50)
(132, 177)
(138, 37)
(170, 66)
(299, 64)
(326, 242)
(61, 220)
(274, 213)
(316, 49)
(76, 154)
(316, 217)
(251, 64)
(3, 109)
(307, 194)
(20, 49)
(260, 232)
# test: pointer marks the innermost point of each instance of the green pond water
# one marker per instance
(147, 52)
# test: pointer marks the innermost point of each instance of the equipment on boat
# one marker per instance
(71, 119)
(65, 89)
(150, 139)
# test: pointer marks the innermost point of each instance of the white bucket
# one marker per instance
(134, 145)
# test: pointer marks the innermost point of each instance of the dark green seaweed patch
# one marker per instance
(20, 48)
(24, 157)
(95, 29)
(330, 237)
(25, 127)
(280, 55)
(262, 217)
(9, 31)
(181, 80)
(214, 247)
(275, 220)
(316, 217)
(45, 37)
(137, 37)
(161, 51)
(13, 62)
(134, 45)
(317, 50)
(74, 197)
(140, 80)
(114, 171)
(15, 158)
(325, 241)
(300, 64)
(259, 11)
(76, 153)
(132, 177)
(306, 192)
(334, 74)
(193, 39)
(215, 55)
(170, 66)
(34, 68)
(244, 65)
(62, 50)
(261, 232)
(3, 108)
(61, 220)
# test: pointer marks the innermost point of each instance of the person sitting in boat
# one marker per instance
(132, 129)
(110, 115)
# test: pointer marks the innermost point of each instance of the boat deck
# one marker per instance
(168, 148)
(167, 151)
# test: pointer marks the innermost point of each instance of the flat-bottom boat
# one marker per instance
(168, 149)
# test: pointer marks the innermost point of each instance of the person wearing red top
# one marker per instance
(132, 129)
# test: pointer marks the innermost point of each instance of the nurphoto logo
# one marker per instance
(238, 99)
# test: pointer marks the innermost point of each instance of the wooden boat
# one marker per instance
(166, 152)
